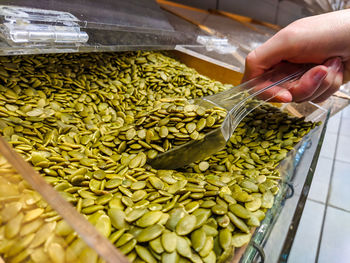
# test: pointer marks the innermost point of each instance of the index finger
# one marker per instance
(272, 52)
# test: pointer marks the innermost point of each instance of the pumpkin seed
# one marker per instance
(150, 233)
(198, 238)
(183, 247)
(117, 217)
(238, 222)
(208, 246)
(103, 225)
(128, 247)
(145, 254)
(239, 211)
(170, 257)
(240, 239)
(186, 225)
(168, 240)
(156, 245)
(125, 238)
(203, 166)
(148, 219)
(56, 252)
(225, 238)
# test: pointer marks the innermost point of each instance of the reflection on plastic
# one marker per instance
(220, 45)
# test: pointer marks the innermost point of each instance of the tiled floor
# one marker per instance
(323, 234)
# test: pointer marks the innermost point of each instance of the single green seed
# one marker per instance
(186, 225)
(170, 257)
(240, 239)
(156, 245)
(168, 240)
(125, 238)
(208, 246)
(225, 238)
(203, 166)
(183, 247)
(150, 233)
(149, 218)
(163, 132)
(117, 217)
(198, 238)
(145, 254)
(239, 211)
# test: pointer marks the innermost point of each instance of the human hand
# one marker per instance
(322, 39)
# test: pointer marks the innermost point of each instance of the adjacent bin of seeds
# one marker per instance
(30, 230)
(89, 124)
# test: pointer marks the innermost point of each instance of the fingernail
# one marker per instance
(319, 76)
(284, 96)
(341, 67)
(334, 63)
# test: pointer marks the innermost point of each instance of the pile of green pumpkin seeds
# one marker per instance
(89, 122)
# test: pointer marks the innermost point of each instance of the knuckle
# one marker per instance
(327, 82)
(305, 93)
(290, 36)
(334, 87)
(302, 92)
(334, 82)
(251, 57)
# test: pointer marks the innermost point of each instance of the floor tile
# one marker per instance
(344, 127)
(304, 247)
(339, 191)
(335, 244)
(328, 146)
(346, 113)
(320, 182)
(343, 148)
(333, 123)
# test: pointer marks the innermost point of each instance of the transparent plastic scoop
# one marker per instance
(239, 101)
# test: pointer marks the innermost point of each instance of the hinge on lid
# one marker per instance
(31, 26)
